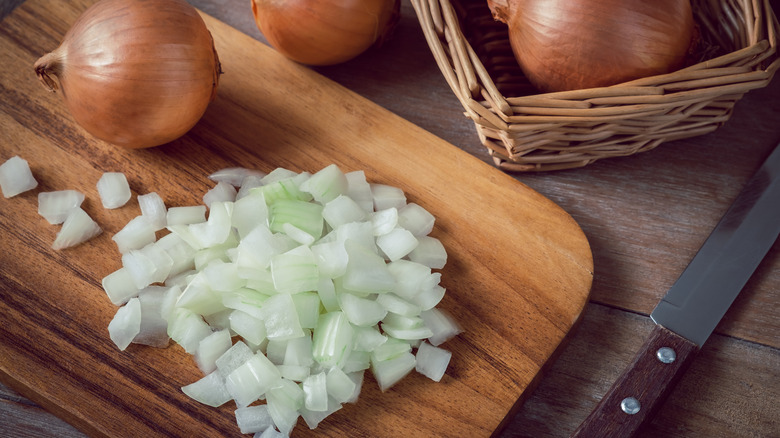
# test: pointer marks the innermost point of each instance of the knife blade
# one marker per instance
(693, 307)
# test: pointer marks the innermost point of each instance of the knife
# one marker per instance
(693, 306)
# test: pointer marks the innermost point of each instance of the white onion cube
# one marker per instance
(153, 209)
(397, 243)
(113, 189)
(16, 177)
(136, 234)
(252, 379)
(77, 228)
(209, 390)
(253, 419)
(432, 361)
(55, 206)
(119, 286)
(126, 324)
(185, 215)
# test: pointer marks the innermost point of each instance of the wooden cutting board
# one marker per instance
(518, 276)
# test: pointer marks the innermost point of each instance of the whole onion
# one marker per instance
(574, 44)
(135, 73)
(324, 32)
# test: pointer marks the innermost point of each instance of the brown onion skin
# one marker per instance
(135, 73)
(575, 44)
(324, 32)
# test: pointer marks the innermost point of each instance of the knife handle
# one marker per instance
(641, 389)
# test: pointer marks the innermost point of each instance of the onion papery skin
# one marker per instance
(325, 32)
(135, 73)
(567, 45)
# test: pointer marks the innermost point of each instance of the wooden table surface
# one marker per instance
(645, 217)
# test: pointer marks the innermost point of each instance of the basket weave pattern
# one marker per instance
(524, 130)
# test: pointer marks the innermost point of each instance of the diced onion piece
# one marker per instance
(16, 177)
(187, 328)
(357, 361)
(326, 184)
(153, 209)
(119, 286)
(339, 385)
(77, 228)
(360, 190)
(393, 303)
(332, 339)
(295, 271)
(126, 324)
(313, 418)
(217, 227)
(248, 327)
(326, 290)
(154, 327)
(253, 419)
(221, 192)
(368, 338)
(386, 196)
(432, 361)
(252, 379)
(271, 433)
(362, 312)
(342, 210)
(315, 392)
(185, 215)
(441, 324)
(284, 402)
(389, 372)
(249, 212)
(397, 244)
(211, 348)
(391, 348)
(429, 252)
(366, 271)
(136, 234)
(409, 277)
(305, 215)
(55, 206)
(248, 184)
(199, 297)
(384, 221)
(113, 189)
(233, 358)
(278, 174)
(307, 304)
(235, 175)
(331, 258)
(281, 318)
(209, 390)
(416, 219)
(298, 351)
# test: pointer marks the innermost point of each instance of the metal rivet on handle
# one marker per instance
(630, 405)
(666, 355)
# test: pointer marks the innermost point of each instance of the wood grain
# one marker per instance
(644, 216)
(269, 113)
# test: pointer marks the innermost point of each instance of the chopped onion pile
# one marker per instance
(16, 177)
(319, 277)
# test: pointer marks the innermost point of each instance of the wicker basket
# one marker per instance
(524, 130)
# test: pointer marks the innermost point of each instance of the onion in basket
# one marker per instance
(320, 277)
(567, 45)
